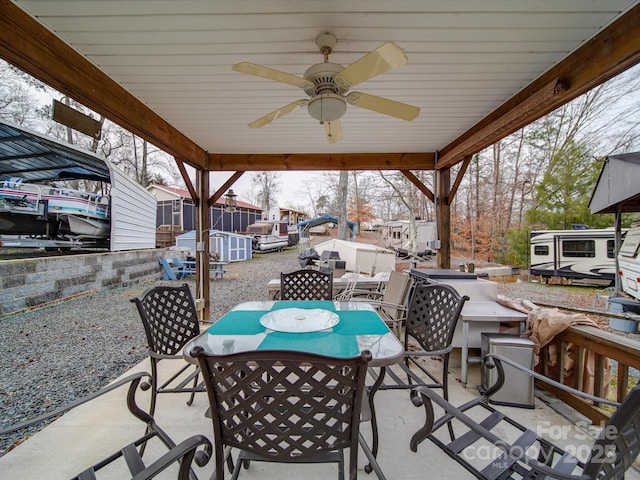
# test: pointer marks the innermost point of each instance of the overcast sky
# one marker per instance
(293, 191)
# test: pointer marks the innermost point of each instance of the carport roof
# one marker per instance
(36, 158)
(618, 185)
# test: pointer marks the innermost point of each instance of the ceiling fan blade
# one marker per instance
(385, 106)
(333, 131)
(271, 74)
(282, 111)
(374, 63)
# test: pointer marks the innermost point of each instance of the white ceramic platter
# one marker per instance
(299, 320)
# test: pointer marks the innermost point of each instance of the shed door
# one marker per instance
(238, 248)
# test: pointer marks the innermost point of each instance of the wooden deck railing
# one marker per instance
(585, 342)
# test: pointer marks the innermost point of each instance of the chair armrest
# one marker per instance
(380, 303)
(363, 295)
(501, 359)
(184, 452)
(426, 399)
(424, 353)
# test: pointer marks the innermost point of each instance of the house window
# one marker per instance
(176, 206)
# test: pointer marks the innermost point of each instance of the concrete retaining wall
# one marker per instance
(28, 283)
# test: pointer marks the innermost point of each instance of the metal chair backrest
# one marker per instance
(396, 293)
(433, 315)
(618, 444)
(306, 285)
(169, 317)
(284, 406)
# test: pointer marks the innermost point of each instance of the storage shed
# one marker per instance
(231, 247)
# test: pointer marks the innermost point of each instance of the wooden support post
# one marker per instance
(443, 217)
(203, 296)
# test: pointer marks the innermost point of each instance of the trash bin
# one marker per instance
(518, 386)
(620, 305)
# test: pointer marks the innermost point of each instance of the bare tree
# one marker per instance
(343, 187)
(267, 187)
(19, 97)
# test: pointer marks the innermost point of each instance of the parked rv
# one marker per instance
(397, 236)
(583, 256)
(629, 263)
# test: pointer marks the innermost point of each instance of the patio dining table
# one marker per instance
(350, 328)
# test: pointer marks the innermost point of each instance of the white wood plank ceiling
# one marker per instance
(466, 57)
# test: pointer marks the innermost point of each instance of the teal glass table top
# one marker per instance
(358, 328)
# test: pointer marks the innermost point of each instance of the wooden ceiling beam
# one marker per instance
(187, 180)
(223, 188)
(458, 180)
(608, 54)
(321, 161)
(419, 185)
(32, 48)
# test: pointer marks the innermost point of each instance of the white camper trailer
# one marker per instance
(629, 263)
(585, 256)
(397, 236)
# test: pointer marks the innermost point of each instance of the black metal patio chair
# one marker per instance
(169, 317)
(306, 285)
(432, 317)
(491, 445)
(285, 406)
(195, 448)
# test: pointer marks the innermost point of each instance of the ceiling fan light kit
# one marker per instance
(327, 85)
(327, 107)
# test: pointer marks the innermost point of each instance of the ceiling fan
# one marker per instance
(327, 85)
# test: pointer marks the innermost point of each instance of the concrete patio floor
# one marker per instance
(93, 431)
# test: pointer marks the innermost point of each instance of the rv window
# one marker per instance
(541, 250)
(579, 248)
(611, 248)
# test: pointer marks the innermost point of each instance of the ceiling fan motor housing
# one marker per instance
(323, 77)
(327, 102)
